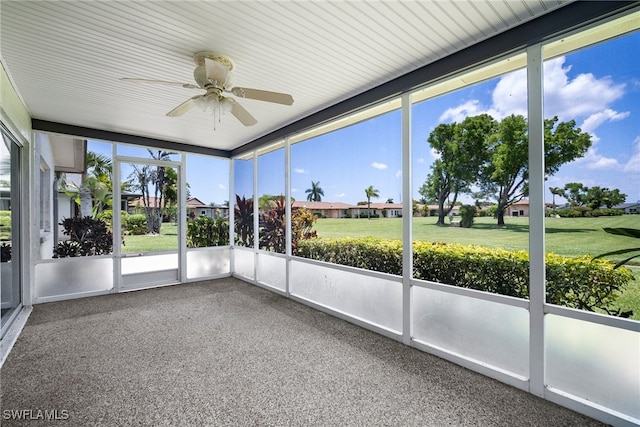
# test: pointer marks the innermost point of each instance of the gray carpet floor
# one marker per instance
(224, 352)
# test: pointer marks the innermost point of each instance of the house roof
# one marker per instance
(138, 201)
(627, 205)
(194, 202)
(331, 56)
(385, 205)
(320, 205)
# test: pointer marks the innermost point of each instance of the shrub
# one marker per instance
(607, 212)
(272, 232)
(88, 236)
(568, 213)
(135, 224)
(301, 226)
(205, 231)
(492, 211)
(107, 217)
(5, 252)
(579, 283)
(243, 212)
(5, 218)
(369, 253)
(467, 213)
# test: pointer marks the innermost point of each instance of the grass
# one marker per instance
(165, 241)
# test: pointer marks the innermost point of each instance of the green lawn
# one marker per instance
(165, 241)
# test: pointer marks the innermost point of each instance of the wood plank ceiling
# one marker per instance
(66, 58)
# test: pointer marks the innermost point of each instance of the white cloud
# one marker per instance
(379, 165)
(594, 161)
(457, 114)
(399, 173)
(340, 195)
(583, 96)
(222, 186)
(510, 95)
(298, 170)
(596, 119)
(420, 160)
(633, 165)
(294, 190)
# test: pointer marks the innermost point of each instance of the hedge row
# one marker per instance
(580, 283)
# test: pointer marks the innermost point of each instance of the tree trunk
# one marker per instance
(441, 212)
(86, 208)
(500, 215)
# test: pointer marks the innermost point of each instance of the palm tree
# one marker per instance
(370, 192)
(92, 195)
(556, 191)
(144, 176)
(315, 193)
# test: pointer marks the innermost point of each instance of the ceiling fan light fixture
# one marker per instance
(226, 105)
(204, 102)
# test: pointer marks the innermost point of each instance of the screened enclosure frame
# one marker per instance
(534, 378)
(398, 304)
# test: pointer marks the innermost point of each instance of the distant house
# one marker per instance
(325, 209)
(382, 210)
(136, 205)
(433, 210)
(629, 208)
(196, 208)
(520, 208)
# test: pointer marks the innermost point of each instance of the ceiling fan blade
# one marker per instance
(243, 115)
(263, 95)
(216, 71)
(184, 107)
(160, 82)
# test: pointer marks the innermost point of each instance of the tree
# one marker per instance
(155, 176)
(507, 174)
(315, 193)
(462, 149)
(555, 191)
(94, 192)
(267, 202)
(575, 193)
(584, 198)
(615, 197)
(390, 200)
(370, 192)
(170, 193)
(597, 197)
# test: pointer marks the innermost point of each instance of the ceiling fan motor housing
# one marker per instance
(224, 66)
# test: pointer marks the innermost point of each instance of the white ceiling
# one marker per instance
(66, 58)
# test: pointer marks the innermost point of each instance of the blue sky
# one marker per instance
(598, 87)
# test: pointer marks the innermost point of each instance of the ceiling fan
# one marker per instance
(213, 73)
